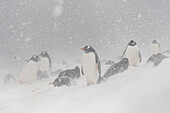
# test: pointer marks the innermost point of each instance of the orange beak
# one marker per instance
(82, 49)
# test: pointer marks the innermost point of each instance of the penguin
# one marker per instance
(154, 48)
(73, 73)
(132, 53)
(63, 80)
(30, 70)
(91, 67)
(116, 68)
(167, 53)
(8, 78)
(156, 59)
(45, 64)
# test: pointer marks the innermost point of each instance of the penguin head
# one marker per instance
(44, 54)
(125, 60)
(88, 49)
(132, 43)
(154, 42)
(35, 58)
(58, 82)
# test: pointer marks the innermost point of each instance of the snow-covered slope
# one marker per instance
(143, 89)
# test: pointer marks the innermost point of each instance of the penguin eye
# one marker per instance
(34, 56)
(44, 52)
(88, 47)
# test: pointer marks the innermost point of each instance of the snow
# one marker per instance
(58, 10)
(27, 39)
(11, 26)
(143, 89)
(139, 15)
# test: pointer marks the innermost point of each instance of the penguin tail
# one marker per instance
(101, 79)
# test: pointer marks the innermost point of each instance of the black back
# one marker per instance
(72, 73)
(110, 62)
(66, 77)
(117, 68)
(156, 59)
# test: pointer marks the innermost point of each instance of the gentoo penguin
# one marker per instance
(132, 53)
(91, 66)
(29, 72)
(63, 80)
(73, 73)
(117, 68)
(45, 63)
(156, 59)
(154, 48)
(8, 78)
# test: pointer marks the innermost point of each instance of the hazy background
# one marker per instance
(62, 27)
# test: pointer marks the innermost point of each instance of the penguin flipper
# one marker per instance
(159, 48)
(99, 69)
(98, 65)
(123, 53)
(82, 70)
(140, 57)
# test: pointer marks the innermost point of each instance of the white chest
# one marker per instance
(89, 59)
(44, 64)
(132, 51)
(29, 72)
(90, 68)
(154, 49)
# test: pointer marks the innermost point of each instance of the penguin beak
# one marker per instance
(82, 49)
(55, 84)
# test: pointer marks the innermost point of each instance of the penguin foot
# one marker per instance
(20, 82)
(89, 84)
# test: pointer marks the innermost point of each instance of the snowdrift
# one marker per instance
(143, 89)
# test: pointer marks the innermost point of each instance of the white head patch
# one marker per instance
(88, 47)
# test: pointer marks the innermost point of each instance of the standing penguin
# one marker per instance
(45, 64)
(154, 48)
(91, 66)
(132, 53)
(29, 72)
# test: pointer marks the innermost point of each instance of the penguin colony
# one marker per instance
(40, 65)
